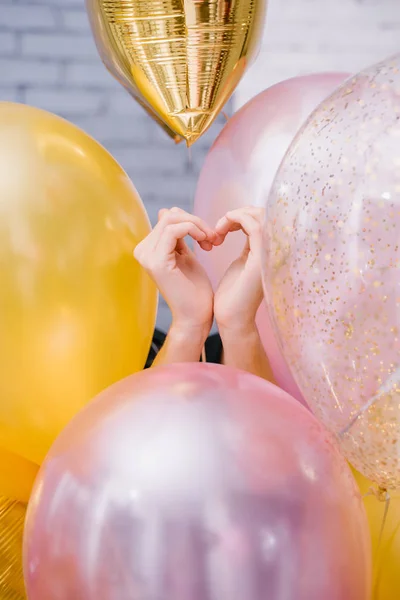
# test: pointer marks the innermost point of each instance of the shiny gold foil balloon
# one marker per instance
(12, 518)
(180, 60)
(76, 310)
(16, 480)
(384, 522)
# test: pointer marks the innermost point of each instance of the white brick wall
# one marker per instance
(48, 59)
(303, 36)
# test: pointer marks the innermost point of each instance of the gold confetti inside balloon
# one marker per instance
(332, 266)
(76, 310)
(180, 60)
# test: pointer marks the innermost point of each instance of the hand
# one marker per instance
(178, 275)
(240, 291)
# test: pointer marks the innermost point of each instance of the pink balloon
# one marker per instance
(196, 482)
(332, 266)
(239, 171)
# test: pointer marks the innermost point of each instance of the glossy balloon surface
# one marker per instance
(76, 310)
(196, 482)
(181, 61)
(12, 517)
(332, 266)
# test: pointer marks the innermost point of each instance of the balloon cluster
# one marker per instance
(197, 481)
(179, 482)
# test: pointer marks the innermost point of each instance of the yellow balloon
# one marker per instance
(386, 547)
(76, 310)
(17, 476)
(180, 60)
(12, 518)
(16, 480)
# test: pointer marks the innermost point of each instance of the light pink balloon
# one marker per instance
(332, 241)
(196, 482)
(239, 171)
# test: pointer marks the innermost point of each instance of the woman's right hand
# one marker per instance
(181, 279)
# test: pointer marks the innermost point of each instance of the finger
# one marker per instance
(174, 233)
(240, 219)
(161, 213)
(255, 211)
(231, 221)
(235, 220)
(178, 215)
(206, 245)
(168, 217)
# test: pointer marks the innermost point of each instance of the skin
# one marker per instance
(186, 288)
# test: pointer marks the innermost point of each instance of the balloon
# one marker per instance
(181, 61)
(385, 535)
(12, 516)
(16, 477)
(331, 266)
(192, 482)
(16, 480)
(76, 310)
(239, 171)
(101, 31)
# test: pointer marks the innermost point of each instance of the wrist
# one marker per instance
(190, 334)
(238, 331)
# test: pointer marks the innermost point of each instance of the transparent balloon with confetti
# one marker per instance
(331, 268)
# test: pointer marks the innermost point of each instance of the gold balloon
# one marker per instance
(16, 480)
(385, 534)
(12, 518)
(17, 476)
(76, 310)
(181, 60)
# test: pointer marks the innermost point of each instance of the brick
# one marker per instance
(339, 39)
(113, 131)
(59, 46)
(170, 190)
(154, 205)
(62, 3)
(9, 94)
(92, 74)
(20, 17)
(8, 43)
(150, 159)
(339, 12)
(23, 72)
(299, 38)
(64, 102)
(75, 20)
(122, 103)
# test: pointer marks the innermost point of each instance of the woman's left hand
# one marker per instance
(240, 291)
